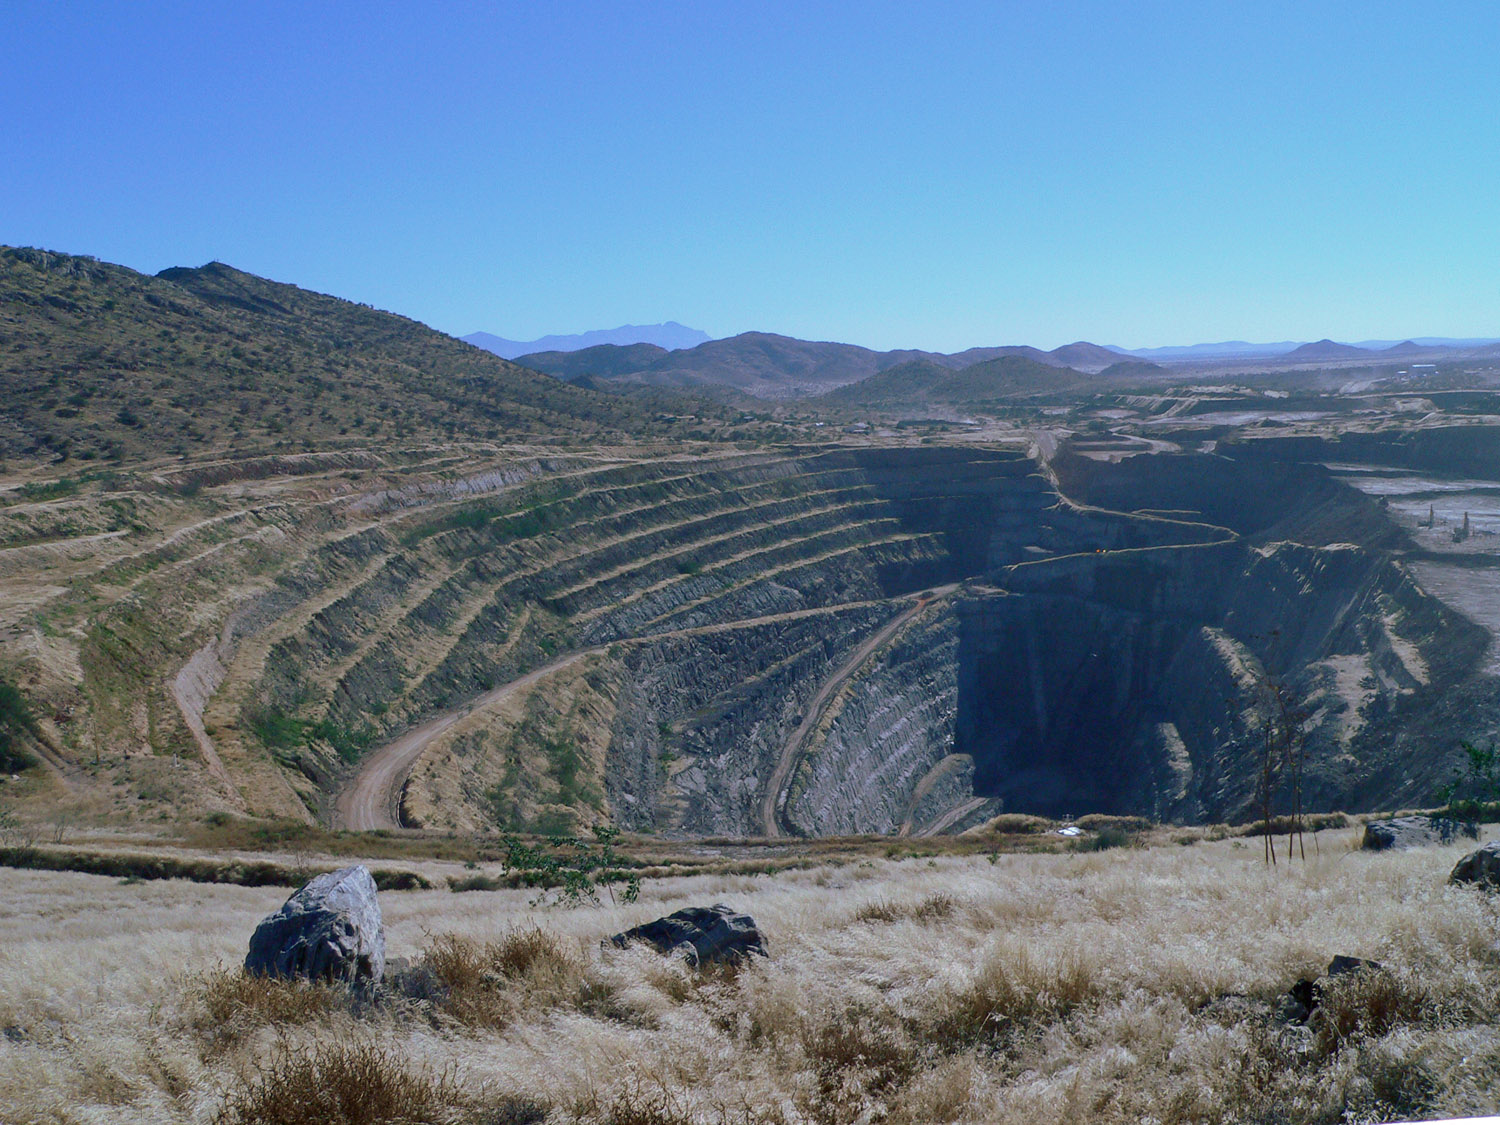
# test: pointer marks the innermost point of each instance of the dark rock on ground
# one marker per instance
(1405, 832)
(1304, 997)
(701, 935)
(1299, 1001)
(1480, 867)
(1341, 965)
(329, 930)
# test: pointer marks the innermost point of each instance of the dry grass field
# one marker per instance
(1134, 984)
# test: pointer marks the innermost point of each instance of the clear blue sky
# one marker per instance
(917, 175)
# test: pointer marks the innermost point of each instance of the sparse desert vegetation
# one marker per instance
(1132, 984)
(781, 676)
(901, 709)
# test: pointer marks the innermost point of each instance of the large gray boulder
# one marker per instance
(329, 930)
(1404, 832)
(1481, 867)
(700, 935)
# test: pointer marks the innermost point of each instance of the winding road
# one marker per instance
(372, 800)
(942, 769)
(770, 806)
(952, 817)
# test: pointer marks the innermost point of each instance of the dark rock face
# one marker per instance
(1481, 867)
(701, 935)
(1131, 682)
(329, 930)
(1403, 832)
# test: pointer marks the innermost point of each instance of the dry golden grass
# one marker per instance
(338, 1085)
(929, 909)
(488, 984)
(1119, 986)
(232, 1005)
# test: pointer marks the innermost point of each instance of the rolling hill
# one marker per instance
(771, 366)
(922, 384)
(1084, 356)
(98, 361)
(1326, 349)
(603, 361)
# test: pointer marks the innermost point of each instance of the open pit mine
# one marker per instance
(826, 640)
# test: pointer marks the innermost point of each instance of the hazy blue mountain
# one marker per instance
(768, 365)
(1429, 342)
(1326, 349)
(670, 336)
(1242, 349)
(772, 366)
(1225, 349)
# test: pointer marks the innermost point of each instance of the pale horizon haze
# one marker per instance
(934, 176)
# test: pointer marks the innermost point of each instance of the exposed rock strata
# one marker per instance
(1134, 682)
(881, 736)
(1108, 656)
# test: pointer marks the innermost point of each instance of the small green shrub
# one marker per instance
(1098, 822)
(1105, 839)
(49, 490)
(479, 883)
(1470, 798)
(574, 867)
(1018, 824)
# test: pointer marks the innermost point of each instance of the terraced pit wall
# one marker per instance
(1137, 683)
(807, 641)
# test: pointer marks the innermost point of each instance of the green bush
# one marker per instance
(49, 490)
(16, 721)
(575, 867)
(1105, 839)
(1469, 799)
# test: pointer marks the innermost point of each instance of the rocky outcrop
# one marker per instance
(1109, 657)
(700, 935)
(1403, 832)
(329, 930)
(702, 718)
(1269, 502)
(1479, 868)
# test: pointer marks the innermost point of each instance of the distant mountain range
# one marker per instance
(1321, 349)
(771, 366)
(668, 336)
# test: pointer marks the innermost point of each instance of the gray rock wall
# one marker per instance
(890, 725)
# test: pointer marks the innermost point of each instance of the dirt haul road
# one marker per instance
(372, 800)
(770, 807)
